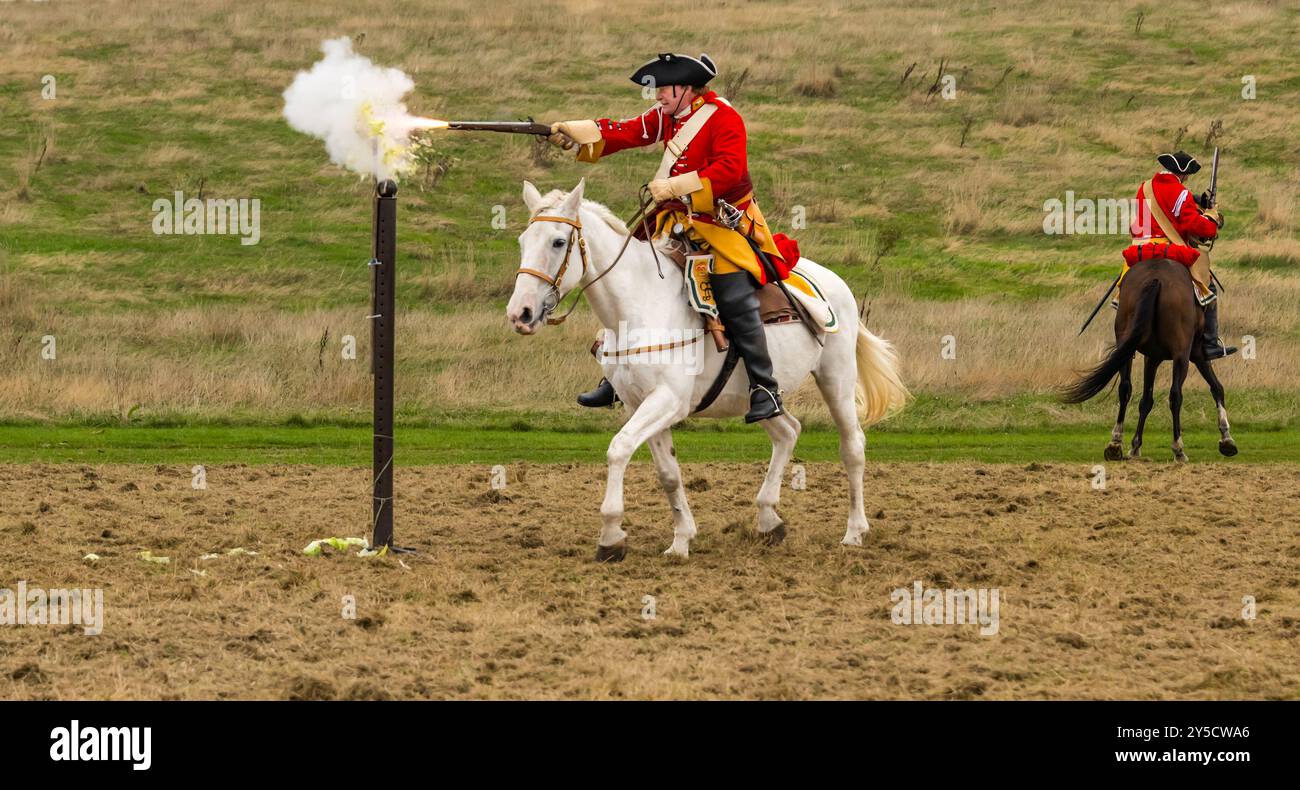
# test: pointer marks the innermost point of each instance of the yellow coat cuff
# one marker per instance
(702, 195)
(590, 152)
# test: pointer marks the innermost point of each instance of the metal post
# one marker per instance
(382, 265)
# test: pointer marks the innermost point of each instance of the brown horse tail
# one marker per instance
(1097, 378)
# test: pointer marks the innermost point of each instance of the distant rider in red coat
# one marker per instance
(1185, 214)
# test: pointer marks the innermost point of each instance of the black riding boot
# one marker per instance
(602, 395)
(737, 301)
(1214, 348)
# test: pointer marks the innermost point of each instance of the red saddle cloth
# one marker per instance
(789, 249)
(1135, 253)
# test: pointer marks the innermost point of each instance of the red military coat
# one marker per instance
(717, 154)
(1186, 216)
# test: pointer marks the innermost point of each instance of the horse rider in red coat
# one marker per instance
(1164, 231)
(702, 187)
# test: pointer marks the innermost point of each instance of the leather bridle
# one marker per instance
(568, 253)
(547, 305)
(554, 282)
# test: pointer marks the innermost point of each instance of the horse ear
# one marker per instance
(574, 201)
(532, 198)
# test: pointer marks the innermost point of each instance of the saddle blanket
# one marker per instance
(774, 307)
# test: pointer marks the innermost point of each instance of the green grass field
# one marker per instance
(491, 443)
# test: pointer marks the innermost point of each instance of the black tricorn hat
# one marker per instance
(1180, 162)
(670, 69)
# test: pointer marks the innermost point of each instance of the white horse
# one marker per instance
(852, 368)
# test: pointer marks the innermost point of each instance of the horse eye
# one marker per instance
(558, 243)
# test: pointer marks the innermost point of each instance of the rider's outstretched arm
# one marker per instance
(606, 136)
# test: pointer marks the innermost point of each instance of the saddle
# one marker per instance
(774, 307)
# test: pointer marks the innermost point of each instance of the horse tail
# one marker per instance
(880, 391)
(1096, 379)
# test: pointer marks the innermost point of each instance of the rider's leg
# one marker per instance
(1210, 340)
(737, 301)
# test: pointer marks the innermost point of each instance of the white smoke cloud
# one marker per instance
(356, 107)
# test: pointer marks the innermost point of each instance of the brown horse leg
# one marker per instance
(1226, 445)
(1181, 366)
(1115, 450)
(1144, 405)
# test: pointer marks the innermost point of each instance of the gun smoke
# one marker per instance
(356, 107)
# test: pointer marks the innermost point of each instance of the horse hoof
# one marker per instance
(1114, 452)
(1180, 457)
(614, 553)
(774, 536)
(1228, 447)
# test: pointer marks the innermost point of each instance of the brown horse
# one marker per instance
(1158, 316)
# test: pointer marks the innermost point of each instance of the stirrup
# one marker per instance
(1217, 350)
(1205, 301)
(757, 413)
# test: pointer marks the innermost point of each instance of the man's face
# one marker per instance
(674, 98)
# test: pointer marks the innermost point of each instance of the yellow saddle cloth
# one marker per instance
(773, 305)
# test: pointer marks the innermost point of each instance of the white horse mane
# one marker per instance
(555, 197)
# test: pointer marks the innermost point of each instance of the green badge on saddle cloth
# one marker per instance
(697, 270)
